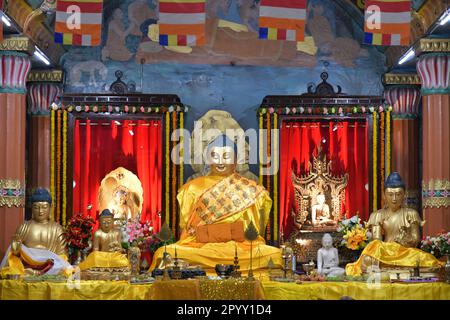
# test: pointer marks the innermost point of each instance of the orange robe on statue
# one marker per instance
(212, 202)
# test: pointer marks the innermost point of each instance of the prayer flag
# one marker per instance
(282, 20)
(387, 22)
(182, 22)
(79, 22)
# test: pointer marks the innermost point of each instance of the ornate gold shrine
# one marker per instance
(319, 180)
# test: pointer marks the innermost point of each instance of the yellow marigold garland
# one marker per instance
(167, 163)
(181, 148)
(64, 173)
(388, 142)
(52, 162)
(58, 165)
(268, 164)
(260, 149)
(374, 160)
(275, 177)
(174, 179)
(382, 149)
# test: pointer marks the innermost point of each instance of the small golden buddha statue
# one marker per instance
(396, 232)
(107, 246)
(107, 238)
(39, 245)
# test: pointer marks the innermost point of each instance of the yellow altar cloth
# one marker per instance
(393, 254)
(122, 290)
(100, 259)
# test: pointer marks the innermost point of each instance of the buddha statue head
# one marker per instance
(394, 191)
(106, 221)
(327, 241)
(221, 156)
(40, 205)
(320, 199)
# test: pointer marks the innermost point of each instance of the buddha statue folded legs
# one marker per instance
(107, 247)
(39, 245)
(214, 212)
(396, 233)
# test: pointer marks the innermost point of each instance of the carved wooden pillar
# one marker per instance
(43, 88)
(433, 68)
(15, 65)
(405, 135)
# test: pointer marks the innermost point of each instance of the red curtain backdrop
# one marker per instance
(101, 146)
(344, 142)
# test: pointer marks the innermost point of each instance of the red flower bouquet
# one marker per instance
(78, 234)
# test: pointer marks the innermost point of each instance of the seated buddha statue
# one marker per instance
(328, 258)
(39, 245)
(214, 212)
(320, 212)
(396, 233)
(107, 246)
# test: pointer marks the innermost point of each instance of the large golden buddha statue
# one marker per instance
(396, 233)
(39, 245)
(214, 212)
(107, 246)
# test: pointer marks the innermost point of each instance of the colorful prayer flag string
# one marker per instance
(64, 169)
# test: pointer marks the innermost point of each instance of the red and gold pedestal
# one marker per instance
(433, 69)
(405, 138)
(13, 75)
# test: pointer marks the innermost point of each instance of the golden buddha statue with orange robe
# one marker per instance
(396, 233)
(214, 212)
(107, 246)
(39, 245)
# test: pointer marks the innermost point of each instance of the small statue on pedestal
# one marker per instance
(328, 258)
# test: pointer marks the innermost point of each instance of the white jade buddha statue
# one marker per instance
(328, 259)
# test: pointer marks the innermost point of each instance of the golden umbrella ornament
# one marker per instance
(251, 234)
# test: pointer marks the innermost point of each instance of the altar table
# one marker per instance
(122, 290)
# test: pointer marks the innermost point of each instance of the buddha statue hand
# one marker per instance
(15, 247)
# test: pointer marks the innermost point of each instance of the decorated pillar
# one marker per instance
(403, 94)
(43, 89)
(433, 68)
(15, 65)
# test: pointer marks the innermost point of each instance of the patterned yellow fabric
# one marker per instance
(254, 210)
(122, 290)
(393, 254)
(100, 259)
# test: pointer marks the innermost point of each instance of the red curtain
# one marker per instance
(101, 146)
(344, 142)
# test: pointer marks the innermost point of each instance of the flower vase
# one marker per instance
(447, 269)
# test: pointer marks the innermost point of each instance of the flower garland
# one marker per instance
(374, 160)
(336, 110)
(64, 173)
(174, 180)
(181, 148)
(275, 178)
(388, 140)
(52, 162)
(268, 164)
(382, 159)
(118, 109)
(260, 149)
(58, 165)
(167, 163)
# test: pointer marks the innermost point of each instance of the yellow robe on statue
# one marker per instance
(215, 200)
(394, 255)
(101, 259)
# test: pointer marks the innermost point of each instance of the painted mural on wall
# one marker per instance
(235, 70)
